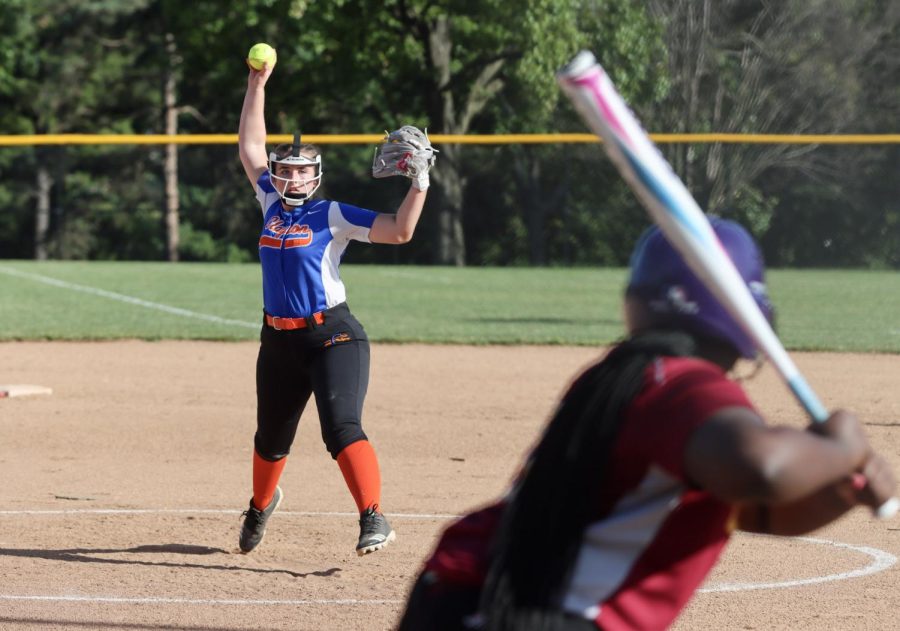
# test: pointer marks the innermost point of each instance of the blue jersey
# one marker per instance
(300, 251)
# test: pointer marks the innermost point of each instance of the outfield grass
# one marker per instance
(817, 310)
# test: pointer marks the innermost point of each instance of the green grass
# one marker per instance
(818, 310)
(837, 310)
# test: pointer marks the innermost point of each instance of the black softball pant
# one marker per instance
(330, 360)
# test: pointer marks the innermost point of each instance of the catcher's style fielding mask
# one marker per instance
(291, 155)
(675, 298)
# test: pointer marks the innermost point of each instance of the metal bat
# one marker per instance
(677, 214)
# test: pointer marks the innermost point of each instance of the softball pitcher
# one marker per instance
(652, 459)
(310, 343)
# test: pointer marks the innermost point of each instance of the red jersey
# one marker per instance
(639, 565)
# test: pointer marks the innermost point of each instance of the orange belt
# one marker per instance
(292, 324)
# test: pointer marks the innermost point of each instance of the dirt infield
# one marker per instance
(121, 493)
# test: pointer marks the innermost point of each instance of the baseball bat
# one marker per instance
(677, 214)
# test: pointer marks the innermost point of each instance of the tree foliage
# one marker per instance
(766, 67)
(454, 66)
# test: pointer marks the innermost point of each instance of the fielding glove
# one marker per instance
(407, 152)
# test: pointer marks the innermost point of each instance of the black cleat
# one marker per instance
(374, 531)
(254, 528)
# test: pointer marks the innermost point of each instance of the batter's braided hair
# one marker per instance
(561, 489)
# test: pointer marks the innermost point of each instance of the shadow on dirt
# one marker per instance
(86, 555)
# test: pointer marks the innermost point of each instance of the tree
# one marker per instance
(75, 72)
(761, 67)
(467, 56)
(150, 66)
(458, 53)
(546, 178)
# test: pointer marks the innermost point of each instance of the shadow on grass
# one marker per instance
(546, 320)
(85, 555)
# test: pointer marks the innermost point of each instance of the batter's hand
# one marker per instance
(845, 429)
(875, 483)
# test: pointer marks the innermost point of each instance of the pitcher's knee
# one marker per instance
(268, 450)
(342, 435)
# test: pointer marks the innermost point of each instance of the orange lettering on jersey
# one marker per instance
(303, 238)
(269, 242)
(276, 225)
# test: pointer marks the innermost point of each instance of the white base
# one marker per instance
(22, 389)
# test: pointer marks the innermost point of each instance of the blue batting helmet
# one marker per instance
(675, 298)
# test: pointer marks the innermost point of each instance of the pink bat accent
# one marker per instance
(592, 82)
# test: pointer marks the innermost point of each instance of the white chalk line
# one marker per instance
(47, 280)
(881, 561)
(208, 511)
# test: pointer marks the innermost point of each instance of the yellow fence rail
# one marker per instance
(468, 139)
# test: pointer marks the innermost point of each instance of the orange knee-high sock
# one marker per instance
(359, 465)
(265, 478)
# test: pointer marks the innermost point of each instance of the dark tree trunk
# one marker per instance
(451, 241)
(453, 118)
(170, 167)
(42, 214)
